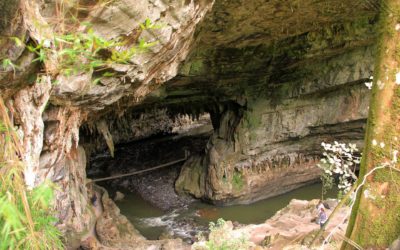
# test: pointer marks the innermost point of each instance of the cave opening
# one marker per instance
(145, 140)
(149, 200)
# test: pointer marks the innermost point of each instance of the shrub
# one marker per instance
(222, 237)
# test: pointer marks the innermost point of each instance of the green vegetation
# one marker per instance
(26, 220)
(221, 238)
(327, 184)
(237, 180)
(84, 52)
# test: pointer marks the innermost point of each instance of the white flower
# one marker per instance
(382, 145)
(368, 84)
(352, 146)
(374, 142)
(337, 161)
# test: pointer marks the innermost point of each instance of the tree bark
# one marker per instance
(375, 218)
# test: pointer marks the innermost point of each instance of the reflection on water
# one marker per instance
(186, 222)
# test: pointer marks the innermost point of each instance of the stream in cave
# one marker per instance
(186, 222)
(150, 201)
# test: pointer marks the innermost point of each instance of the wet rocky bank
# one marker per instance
(291, 228)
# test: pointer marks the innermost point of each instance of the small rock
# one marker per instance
(89, 243)
(166, 235)
(395, 245)
(330, 203)
(267, 241)
(236, 224)
(119, 196)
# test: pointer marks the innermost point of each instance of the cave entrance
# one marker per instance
(152, 159)
(143, 142)
(150, 201)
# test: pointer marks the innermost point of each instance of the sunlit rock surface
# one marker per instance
(291, 228)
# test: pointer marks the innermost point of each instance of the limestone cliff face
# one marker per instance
(276, 78)
(278, 100)
(263, 148)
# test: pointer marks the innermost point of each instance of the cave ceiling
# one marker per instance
(244, 48)
(208, 51)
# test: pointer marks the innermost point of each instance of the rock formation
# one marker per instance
(279, 96)
(290, 228)
(276, 78)
(48, 109)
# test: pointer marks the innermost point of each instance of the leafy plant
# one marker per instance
(26, 220)
(222, 238)
(147, 25)
(237, 180)
(76, 52)
(7, 63)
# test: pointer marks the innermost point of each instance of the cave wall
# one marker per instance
(48, 108)
(282, 101)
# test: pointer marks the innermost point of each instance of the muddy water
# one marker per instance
(188, 221)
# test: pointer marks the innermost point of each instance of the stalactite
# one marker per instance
(103, 128)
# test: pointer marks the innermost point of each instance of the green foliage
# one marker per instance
(7, 63)
(327, 184)
(237, 180)
(148, 25)
(221, 238)
(86, 52)
(17, 41)
(77, 52)
(26, 220)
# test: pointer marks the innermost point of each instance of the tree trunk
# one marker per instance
(375, 219)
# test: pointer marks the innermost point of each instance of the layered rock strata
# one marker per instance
(269, 143)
